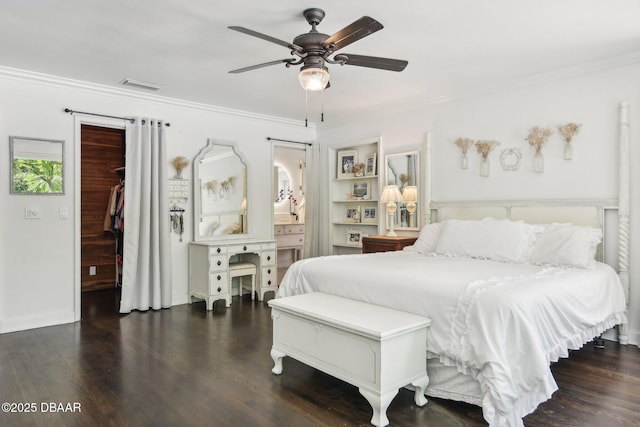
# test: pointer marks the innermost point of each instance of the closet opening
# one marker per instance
(102, 178)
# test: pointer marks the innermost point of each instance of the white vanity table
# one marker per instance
(209, 267)
(221, 227)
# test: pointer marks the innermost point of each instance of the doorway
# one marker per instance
(289, 195)
(102, 159)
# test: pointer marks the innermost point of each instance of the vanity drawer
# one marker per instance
(218, 262)
(269, 276)
(248, 248)
(289, 240)
(268, 258)
(294, 229)
(278, 229)
(218, 283)
(217, 250)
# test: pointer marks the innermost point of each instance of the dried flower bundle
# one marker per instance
(568, 131)
(180, 163)
(464, 144)
(538, 137)
(484, 147)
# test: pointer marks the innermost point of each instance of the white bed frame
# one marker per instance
(581, 212)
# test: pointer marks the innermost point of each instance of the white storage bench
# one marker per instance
(377, 349)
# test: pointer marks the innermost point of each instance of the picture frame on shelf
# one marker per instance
(369, 214)
(370, 164)
(351, 213)
(354, 237)
(360, 190)
(347, 159)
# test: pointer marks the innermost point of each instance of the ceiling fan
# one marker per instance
(314, 50)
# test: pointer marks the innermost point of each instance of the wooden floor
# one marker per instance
(188, 367)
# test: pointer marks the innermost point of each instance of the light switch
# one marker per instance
(64, 212)
(32, 213)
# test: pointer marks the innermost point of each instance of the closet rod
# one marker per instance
(129, 119)
(288, 140)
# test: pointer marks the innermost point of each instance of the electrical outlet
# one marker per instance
(92, 270)
(64, 212)
(32, 213)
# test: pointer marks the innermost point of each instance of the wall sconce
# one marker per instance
(391, 195)
(410, 196)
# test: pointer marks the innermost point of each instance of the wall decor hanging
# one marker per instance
(484, 148)
(464, 144)
(510, 159)
(568, 131)
(537, 138)
(179, 163)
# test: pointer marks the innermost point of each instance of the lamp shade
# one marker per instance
(391, 193)
(410, 193)
(314, 78)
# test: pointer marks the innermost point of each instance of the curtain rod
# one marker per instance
(129, 119)
(288, 140)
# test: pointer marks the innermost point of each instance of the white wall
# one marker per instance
(592, 99)
(37, 269)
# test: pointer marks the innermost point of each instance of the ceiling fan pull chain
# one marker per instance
(322, 106)
(306, 107)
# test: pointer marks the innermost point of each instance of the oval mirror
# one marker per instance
(219, 193)
(283, 184)
(403, 170)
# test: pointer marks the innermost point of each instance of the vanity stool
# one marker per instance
(241, 270)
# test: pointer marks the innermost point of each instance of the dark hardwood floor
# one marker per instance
(188, 367)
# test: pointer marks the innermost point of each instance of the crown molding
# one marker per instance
(66, 83)
(544, 77)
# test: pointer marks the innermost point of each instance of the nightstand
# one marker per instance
(372, 244)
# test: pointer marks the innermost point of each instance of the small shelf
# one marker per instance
(353, 178)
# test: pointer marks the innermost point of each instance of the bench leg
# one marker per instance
(420, 387)
(379, 403)
(277, 356)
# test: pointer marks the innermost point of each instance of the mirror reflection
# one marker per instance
(402, 169)
(283, 184)
(37, 166)
(220, 195)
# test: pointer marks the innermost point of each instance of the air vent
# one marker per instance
(141, 84)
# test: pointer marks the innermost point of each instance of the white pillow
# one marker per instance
(498, 240)
(566, 245)
(427, 239)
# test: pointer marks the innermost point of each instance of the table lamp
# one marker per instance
(410, 196)
(391, 195)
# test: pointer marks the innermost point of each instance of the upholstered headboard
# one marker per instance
(580, 212)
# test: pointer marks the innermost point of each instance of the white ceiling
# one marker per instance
(452, 46)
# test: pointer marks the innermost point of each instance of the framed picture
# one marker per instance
(346, 161)
(360, 190)
(352, 213)
(354, 237)
(370, 165)
(370, 214)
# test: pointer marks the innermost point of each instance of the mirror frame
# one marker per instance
(12, 141)
(418, 183)
(197, 191)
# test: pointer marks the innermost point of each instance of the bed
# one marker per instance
(510, 287)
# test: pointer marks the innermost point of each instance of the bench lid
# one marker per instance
(355, 316)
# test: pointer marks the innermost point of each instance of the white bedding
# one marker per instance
(500, 323)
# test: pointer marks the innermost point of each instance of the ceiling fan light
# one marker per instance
(313, 79)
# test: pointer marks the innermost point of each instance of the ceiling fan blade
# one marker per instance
(373, 62)
(352, 32)
(267, 38)
(266, 64)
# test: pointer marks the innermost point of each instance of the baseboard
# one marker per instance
(37, 321)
